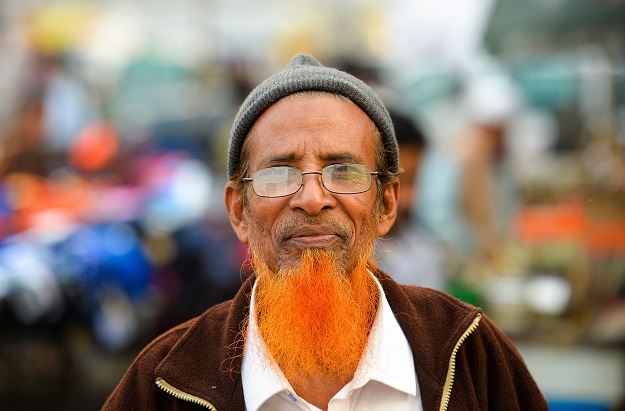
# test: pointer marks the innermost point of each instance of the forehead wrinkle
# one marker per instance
(325, 153)
(327, 157)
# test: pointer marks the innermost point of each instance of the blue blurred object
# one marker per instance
(27, 281)
(568, 405)
(178, 190)
(112, 272)
(5, 211)
(106, 255)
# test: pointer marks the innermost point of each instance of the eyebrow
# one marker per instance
(280, 159)
(342, 157)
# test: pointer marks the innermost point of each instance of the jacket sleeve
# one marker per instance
(491, 374)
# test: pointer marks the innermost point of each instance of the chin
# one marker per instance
(292, 258)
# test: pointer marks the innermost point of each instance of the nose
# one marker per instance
(312, 197)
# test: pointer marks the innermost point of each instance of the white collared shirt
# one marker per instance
(389, 383)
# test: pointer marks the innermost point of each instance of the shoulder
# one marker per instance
(137, 389)
(439, 310)
(211, 322)
(154, 353)
(433, 317)
(428, 302)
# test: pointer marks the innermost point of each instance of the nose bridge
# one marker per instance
(312, 197)
(313, 182)
(305, 173)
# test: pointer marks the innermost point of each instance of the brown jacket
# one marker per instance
(461, 358)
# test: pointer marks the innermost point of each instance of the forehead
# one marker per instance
(318, 128)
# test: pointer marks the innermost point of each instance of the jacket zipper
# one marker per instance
(181, 395)
(449, 381)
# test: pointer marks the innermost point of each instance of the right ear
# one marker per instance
(233, 199)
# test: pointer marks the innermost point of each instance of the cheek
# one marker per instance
(258, 232)
(365, 222)
(260, 220)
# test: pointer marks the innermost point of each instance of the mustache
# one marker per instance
(285, 230)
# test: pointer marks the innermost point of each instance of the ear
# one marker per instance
(389, 207)
(233, 199)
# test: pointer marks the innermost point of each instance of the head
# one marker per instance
(309, 116)
(492, 101)
(412, 144)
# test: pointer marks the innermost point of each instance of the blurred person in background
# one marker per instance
(488, 195)
(468, 191)
(313, 181)
(408, 253)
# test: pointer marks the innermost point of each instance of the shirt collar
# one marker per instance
(385, 359)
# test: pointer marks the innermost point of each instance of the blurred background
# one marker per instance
(114, 121)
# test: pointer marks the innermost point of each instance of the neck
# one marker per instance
(318, 390)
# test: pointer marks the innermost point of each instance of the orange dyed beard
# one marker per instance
(315, 319)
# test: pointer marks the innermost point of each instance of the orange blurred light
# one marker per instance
(94, 147)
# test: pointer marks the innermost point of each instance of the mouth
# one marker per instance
(312, 236)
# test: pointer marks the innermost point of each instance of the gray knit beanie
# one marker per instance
(304, 72)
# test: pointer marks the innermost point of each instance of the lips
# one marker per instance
(315, 232)
(313, 235)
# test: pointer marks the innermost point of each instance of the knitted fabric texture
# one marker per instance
(303, 73)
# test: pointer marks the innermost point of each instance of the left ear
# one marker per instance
(389, 207)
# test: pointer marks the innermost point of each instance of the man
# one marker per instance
(313, 167)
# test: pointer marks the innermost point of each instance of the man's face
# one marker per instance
(311, 132)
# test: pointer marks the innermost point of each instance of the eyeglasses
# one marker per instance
(283, 181)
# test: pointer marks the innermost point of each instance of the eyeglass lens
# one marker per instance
(337, 178)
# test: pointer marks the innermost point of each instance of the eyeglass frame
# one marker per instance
(303, 173)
